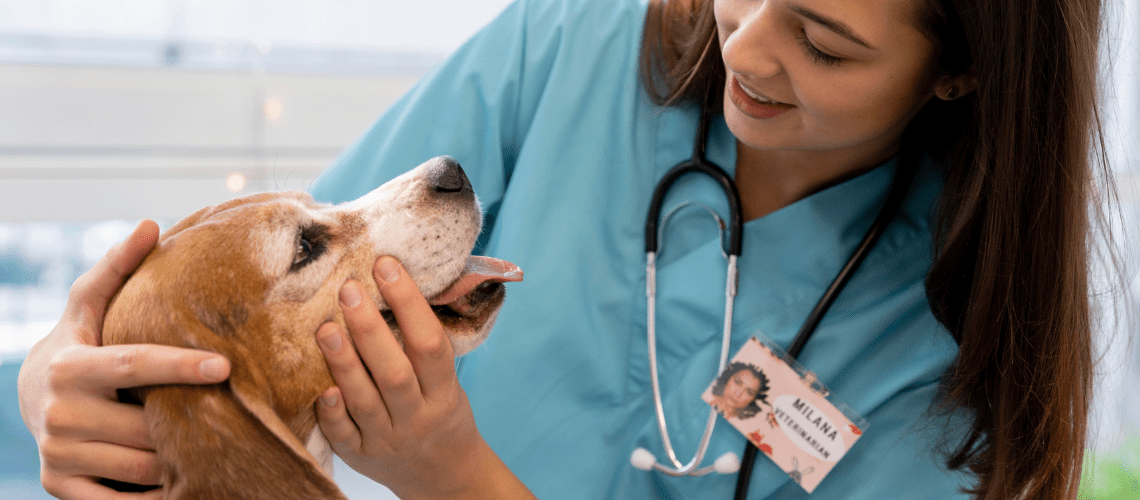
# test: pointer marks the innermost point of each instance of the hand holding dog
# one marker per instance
(404, 421)
(67, 387)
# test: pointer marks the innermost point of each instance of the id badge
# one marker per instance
(785, 411)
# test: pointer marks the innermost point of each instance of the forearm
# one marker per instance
(496, 481)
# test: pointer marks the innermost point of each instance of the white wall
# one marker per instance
(82, 144)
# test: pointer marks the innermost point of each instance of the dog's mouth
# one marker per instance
(474, 297)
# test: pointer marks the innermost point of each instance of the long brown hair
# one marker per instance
(1010, 277)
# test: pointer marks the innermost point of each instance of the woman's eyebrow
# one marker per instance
(838, 27)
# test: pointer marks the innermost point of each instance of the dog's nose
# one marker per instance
(450, 177)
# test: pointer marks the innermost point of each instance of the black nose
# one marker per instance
(449, 177)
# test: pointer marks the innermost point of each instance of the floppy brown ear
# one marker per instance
(221, 441)
(224, 441)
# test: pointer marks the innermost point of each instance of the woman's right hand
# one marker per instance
(68, 381)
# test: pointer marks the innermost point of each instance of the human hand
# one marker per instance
(404, 421)
(67, 387)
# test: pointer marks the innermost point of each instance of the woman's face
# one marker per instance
(741, 389)
(841, 77)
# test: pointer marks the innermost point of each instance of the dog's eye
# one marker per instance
(304, 250)
(310, 244)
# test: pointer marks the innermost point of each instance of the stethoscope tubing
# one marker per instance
(699, 166)
(696, 165)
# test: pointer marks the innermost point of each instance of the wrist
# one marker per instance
(481, 475)
(491, 479)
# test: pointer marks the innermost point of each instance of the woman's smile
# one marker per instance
(752, 103)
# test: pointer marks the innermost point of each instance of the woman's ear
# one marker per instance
(951, 87)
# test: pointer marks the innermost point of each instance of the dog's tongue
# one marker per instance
(479, 270)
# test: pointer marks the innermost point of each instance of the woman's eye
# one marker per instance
(304, 250)
(818, 55)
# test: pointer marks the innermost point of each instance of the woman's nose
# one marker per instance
(752, 48)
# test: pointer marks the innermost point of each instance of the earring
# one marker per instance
(951, 93)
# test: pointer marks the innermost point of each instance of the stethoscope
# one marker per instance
(729, 463)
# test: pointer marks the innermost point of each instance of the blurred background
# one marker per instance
(116, 110)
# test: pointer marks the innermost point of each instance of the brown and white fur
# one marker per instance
(253, 279)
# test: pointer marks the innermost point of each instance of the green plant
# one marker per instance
(1112, 475)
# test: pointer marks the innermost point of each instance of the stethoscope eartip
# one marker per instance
(644, 460)
(727, 463)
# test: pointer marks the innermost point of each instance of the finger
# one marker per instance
(92, 419)
(91, 292)
(105, 369)
(358, 392)
(391, 371)
(426, 345)
(98, 459)
(335, 423)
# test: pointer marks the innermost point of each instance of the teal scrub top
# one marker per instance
(545, 111)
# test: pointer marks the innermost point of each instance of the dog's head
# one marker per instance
(253, 279)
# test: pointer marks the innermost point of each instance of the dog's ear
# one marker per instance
(222, 441)
(214, 446)
(225, 441)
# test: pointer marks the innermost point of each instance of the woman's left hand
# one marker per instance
(404, 421)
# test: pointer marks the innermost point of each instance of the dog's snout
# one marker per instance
(450, 178)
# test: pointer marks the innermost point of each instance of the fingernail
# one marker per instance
(350, 295)
(389, 270)
(213, 369)
(329, 400)
(331, 341)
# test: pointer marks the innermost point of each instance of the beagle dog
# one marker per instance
(253, 279)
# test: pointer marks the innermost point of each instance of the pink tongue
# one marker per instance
(479, 270)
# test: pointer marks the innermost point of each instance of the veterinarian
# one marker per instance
(963, 337)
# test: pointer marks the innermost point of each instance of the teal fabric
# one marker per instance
(544, 110)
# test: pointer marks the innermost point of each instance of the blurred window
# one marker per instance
(118, 110)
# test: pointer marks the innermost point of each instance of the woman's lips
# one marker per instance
(754, 106)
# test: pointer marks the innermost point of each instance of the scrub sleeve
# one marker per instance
(545, 111)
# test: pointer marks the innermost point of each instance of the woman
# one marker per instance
(738, 389)
(565, 114)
